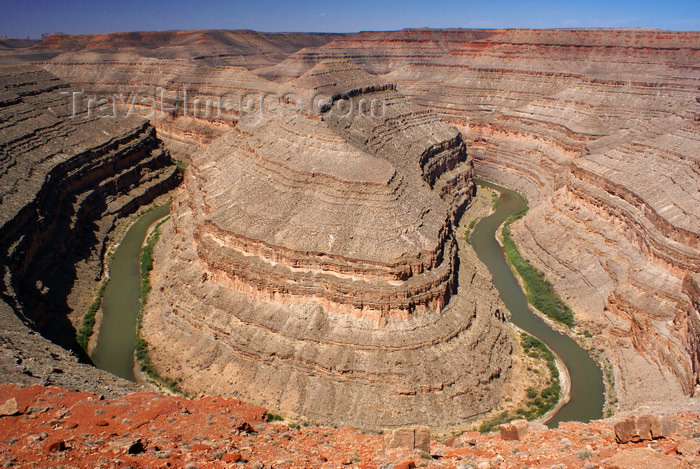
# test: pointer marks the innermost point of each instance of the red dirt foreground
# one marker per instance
(52, 427)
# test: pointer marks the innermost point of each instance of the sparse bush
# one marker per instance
(494, 199)
(88, 323)
(469, 231)
(272, 417)
(490, 424)
(539, 291)
(549, 396)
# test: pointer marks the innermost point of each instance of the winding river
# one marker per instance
(120, 305)
(121, 302)
(587, 389)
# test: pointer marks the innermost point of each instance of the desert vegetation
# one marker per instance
(539, 291)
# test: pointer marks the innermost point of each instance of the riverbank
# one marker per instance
(576, 332)
(113, 242)
(528, 374)
(587, 388)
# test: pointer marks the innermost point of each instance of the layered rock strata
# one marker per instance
(65, 181)
(597, 127)
(311, 265)
(600, 130)
(163, 75)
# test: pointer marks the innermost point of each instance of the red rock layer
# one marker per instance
(56, 427)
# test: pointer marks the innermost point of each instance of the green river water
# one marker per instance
(116, 341)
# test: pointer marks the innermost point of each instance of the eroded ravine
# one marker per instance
(587, 389)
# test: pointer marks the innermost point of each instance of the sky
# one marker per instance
(31, 18)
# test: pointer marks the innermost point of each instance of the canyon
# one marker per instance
(281, 228)
(66, 182)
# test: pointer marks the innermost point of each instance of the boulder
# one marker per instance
(9, 407)
(128, 445)
(410, 438)
(642, 428)
(515, 430)
(55, 446)
(232, 457)
(405, 465)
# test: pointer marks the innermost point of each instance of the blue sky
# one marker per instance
(22, 18)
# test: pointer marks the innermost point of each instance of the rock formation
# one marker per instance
(174, 67)
(312, 266)
(599, 128)
(65, 180)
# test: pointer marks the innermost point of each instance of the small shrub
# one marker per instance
(272, 417)
(494, 199)
(489, 425)
(88, 323)
(540, 403)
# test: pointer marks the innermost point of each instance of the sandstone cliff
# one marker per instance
(600, 130)
(174, 66)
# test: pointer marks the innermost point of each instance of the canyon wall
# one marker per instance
(173, 68)
(65, 181)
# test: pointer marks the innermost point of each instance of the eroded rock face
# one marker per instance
(311, 266)
(643, 427)
(598, 127)
(409, 438)
(174, 67)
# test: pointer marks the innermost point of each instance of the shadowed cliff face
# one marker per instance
(65, 180)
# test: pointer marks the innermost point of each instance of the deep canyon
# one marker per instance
(313, 262)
